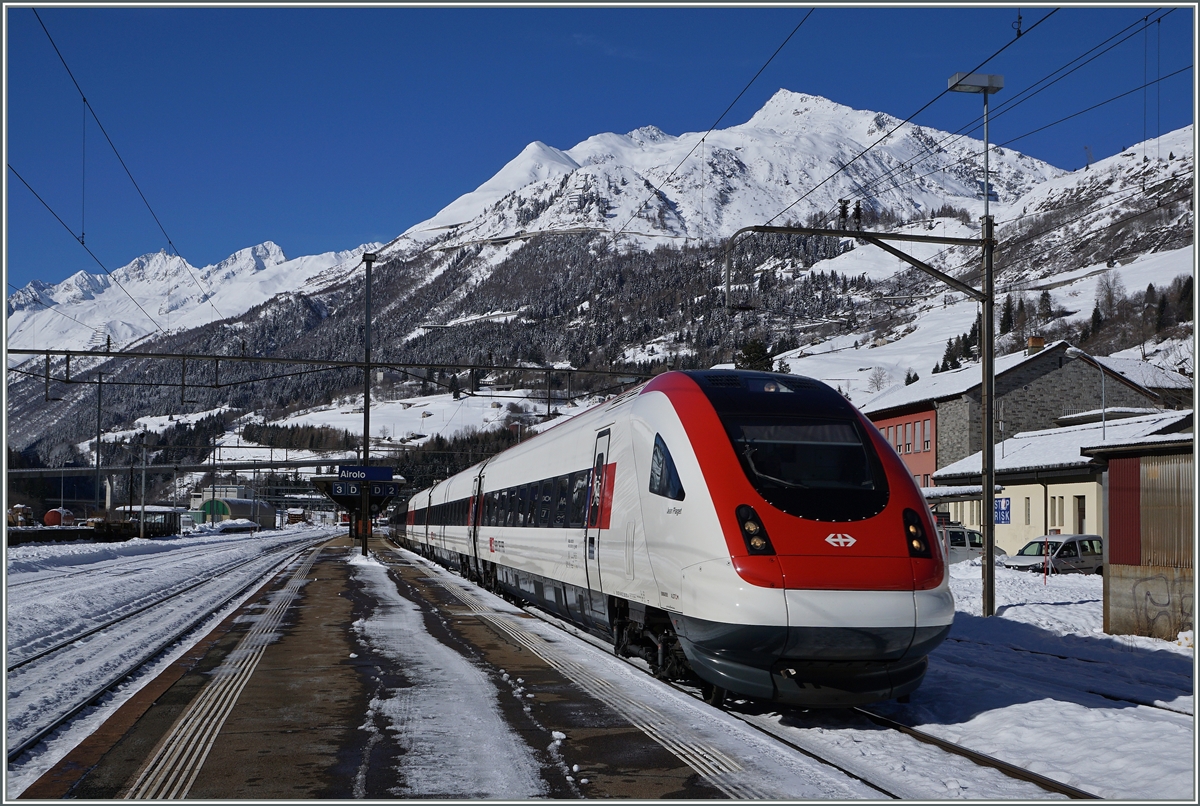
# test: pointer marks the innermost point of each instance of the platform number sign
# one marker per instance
(1003, 510)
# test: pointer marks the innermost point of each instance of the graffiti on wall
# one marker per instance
(1162, 607)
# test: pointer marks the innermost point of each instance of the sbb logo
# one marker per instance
(840, 540)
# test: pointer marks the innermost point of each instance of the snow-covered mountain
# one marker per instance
(160, 292)
(475, 282)
(709, 186)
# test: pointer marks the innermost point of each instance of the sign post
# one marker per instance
(363, 491)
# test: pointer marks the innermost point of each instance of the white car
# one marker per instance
(1067, 554)
(966, 544)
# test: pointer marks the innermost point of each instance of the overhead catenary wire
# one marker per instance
(1019, 98)
(892, 131)
(55, 309)
(1011, 140)
(716, 123)
(1014, 101)
(207, 294)
(86, 249)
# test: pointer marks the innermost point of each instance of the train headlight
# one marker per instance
(753, 531)
(914, 533)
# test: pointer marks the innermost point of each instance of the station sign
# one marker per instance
(349, 494)
(364, 473)
(375, 489)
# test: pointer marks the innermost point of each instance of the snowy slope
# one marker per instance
(840, 363)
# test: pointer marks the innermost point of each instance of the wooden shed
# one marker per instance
(1149, 494)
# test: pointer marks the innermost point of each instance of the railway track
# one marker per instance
(133, 609)
(988, 776)
(50, 577)
(44, 692)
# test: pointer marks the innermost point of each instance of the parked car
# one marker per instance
(1068, 554)
(966, 544)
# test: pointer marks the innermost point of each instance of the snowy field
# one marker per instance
(1040, 685)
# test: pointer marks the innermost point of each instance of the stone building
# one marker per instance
(1034, 389)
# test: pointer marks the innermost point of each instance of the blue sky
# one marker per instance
(322, 129)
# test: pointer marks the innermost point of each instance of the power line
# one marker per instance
(891, 131)
(207, 294)
(1039, 129)
(89, 251)
(1016, 100)
(715, 123)
(54, 308)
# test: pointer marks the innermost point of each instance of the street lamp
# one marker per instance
(1075, 352)
(365, 519)
(986, 85)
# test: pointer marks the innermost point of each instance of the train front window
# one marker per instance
(813, 467)
(805, 454)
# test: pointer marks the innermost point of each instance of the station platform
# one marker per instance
(294, 696)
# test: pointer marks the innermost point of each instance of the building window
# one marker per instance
(1080, 514)
(908, 437)
(927, 435)
(926, 484)
(1028, 510)
(891, 440)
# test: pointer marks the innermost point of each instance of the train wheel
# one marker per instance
(713, 695)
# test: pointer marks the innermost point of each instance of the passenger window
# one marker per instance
(664, 478)
(958, 539)
(1069, 550)
(545, 502)
(563, 497)
(522, 505)
(976, 539)
(579, 486)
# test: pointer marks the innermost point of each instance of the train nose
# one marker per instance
(849, 625)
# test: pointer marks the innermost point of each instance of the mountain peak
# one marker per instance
(646, 135)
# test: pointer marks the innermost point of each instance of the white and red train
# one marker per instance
(749, 529)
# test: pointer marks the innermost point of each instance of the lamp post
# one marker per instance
(986, 84)
(1075, 352)
(365, 515)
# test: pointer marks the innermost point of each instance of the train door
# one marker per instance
(474, 516)
(596, 513)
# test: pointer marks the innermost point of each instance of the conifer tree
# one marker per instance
(753, 355)
(1006, 315)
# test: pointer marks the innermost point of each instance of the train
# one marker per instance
(750, 533)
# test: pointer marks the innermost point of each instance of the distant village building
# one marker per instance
(1053, 481)
(937, 420)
